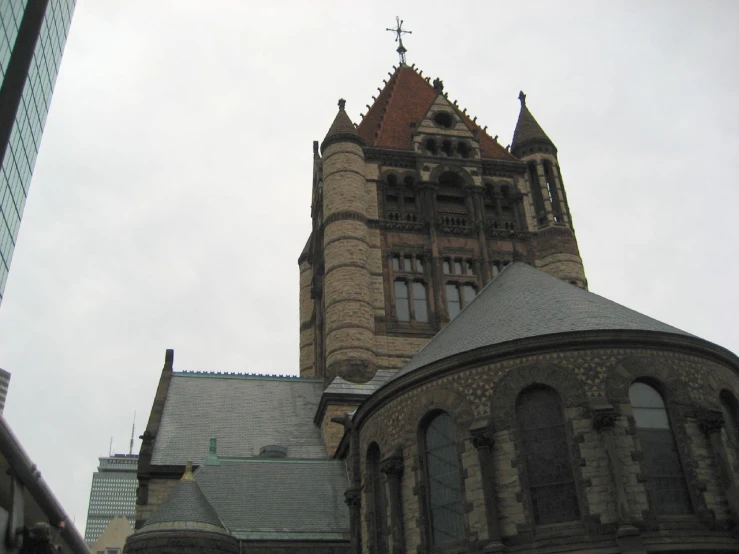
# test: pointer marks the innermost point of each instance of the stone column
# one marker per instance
(392, 467)
(711, 422)
(353, 499)
(627, 536)
(484, 442)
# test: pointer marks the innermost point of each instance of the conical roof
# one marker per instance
(341, 129)
(405, 100)
(185, 504)
(524, 302)
(527, 128)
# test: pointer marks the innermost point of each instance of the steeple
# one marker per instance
(342, 129)
(529, 133)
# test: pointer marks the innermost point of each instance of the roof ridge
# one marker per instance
(242, 374)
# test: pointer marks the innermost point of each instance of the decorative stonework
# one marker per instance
(483, 438)
(710, 421)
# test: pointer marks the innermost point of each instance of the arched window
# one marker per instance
(444, 503)
(730, 409)
(376, 502)
(664, 472)
(551, 482)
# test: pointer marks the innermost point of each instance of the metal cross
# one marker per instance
(399, 32)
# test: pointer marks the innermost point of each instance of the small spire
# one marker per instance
(399, 32)
(187, 476)
(342, 103)
(522, 98)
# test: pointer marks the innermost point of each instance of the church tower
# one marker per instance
(415, 210)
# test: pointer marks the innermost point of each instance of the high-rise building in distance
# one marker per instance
(32, 38)
(113, 493)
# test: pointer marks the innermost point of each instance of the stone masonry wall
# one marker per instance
(487, 394)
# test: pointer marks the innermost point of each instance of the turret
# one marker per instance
(349, 324)
(557, 251)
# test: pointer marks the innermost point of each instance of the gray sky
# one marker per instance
(171, 196)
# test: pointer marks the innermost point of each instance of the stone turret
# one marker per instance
(557, 251)
(347, 309)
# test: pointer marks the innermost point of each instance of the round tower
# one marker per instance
(185, 523)
(556, 246)
(349, 318)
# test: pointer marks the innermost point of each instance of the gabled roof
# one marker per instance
(527, 128)
(185, 504)
(243, 412)
(279, 498)
(523, 302)
(406, 99)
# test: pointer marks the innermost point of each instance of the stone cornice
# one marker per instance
(560, 342)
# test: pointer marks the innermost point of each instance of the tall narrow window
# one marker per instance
(468, 293)
(447, 267)
(453, 304)
(420, 308)
(445, 506)
(408, 264)
(551, 482)
(419, 265)
(458, 267)
(396, 262)
(376, 501)
(664, 472)
(536, 194)
(402, 306)
(730, 409)
(552, 191)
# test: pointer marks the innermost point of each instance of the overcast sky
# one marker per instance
(171, 197)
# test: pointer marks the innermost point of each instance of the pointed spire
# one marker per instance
(528, 129)
(342, 129)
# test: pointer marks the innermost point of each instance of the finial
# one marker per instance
(438, 85)
(474, 119)
(420, 73)
(399, 32)
(187, 476)
(342, 103)
(522, 98)
(495, 138)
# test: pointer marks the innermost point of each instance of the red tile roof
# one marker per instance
(406, 99)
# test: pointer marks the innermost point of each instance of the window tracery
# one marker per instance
(444, 502)
(664, 473)
(551, 481)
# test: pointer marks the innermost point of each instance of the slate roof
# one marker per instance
(405, 99)
(186, 503)
(523, 302)
(278, 498)
(342, 386)
(243, 412)
(527, 128)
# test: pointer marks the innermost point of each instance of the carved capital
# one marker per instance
(392, 466)
(353, 498)
(604, 419)
(483, 438)
(710, 421)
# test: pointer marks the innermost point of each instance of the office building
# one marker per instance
(32, 38)
(113, 493)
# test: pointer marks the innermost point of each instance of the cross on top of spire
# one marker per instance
(399, 32)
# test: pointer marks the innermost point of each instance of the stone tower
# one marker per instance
(557, 251)
(414, 211)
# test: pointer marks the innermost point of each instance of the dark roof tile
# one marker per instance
(523, 302)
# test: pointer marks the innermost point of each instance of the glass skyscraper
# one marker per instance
(113, 493)
(32, 38)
